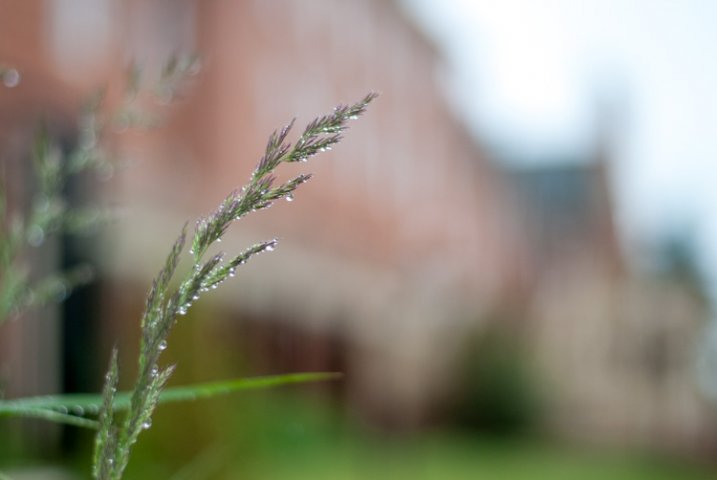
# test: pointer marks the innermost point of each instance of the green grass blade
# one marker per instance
(52, 407)
(205, 390)
(46, 414)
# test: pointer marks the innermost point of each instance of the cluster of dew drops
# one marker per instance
(266, 247)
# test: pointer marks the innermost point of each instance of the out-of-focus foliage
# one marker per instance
(499, 392)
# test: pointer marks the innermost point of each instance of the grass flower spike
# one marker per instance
(115, 437)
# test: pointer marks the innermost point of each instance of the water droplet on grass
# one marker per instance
(11, 78)
(35, 236)
(105, 171)
(61, 292)
(43, 204)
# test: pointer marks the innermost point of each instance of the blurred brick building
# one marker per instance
(400, 235)
(405, 238)
(616, 349)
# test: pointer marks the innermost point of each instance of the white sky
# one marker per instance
(531, 74)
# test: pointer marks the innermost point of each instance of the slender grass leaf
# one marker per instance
(52, 407)
(51, 415)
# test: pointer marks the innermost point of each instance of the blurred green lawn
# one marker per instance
(270, 436)
(448, 456)
(453, 460)
(276, 437)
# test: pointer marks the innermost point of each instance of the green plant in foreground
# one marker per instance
(115, 439)
(49, 214)
(116, 434)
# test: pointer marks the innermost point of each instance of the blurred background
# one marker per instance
(512, 257)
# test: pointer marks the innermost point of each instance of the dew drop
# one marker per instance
(289, 198)
(11, 78)
(154, 372)
(194, 68)
(232, 272)
(43, 204)
(78, 410)
(270, 247)
(182, 310)
(147, 424)
(89, 140)
(61, 292)
(36, 236)
(162, 345)
(106, 171)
